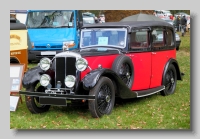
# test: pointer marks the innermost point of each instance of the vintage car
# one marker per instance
(114, 60)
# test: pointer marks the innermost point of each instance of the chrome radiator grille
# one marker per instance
(64, 66)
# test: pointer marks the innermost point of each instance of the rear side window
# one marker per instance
(139, 40)
(169, 37)
(158, 37)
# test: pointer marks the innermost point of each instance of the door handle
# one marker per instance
(153, 53)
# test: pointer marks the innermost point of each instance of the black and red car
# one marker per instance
(114, 59)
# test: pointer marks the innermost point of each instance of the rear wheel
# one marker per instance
(104, 98)
(169, 81)
(32, 102)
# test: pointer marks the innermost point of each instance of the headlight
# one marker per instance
(81, 64)
(70, 81)
(45, 63)
(68, 44)
(45, 79)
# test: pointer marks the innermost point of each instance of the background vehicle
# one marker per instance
(162, 13)
(178, 39)
(49, 30)
(18, 43)
(88, 18)
(115, 59)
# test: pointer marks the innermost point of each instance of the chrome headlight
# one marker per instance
(81, 64)
(45, 79)
(45, 63)
(70, 81)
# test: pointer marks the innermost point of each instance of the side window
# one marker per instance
(169, 37)
(158, 37)
(139, 40)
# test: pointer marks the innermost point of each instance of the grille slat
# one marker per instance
(64, 66)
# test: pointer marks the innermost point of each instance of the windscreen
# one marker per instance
(103, 37)
(50, 19)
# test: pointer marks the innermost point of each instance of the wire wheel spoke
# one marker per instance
(125, 73)
(169, 80)
(103, 101)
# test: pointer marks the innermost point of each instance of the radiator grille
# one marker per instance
(64, 66)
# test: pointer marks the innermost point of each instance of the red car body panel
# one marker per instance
(142, 70)
(159, 60)
(147, 72)
(95, 61)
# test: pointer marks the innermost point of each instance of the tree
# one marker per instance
(117, 15)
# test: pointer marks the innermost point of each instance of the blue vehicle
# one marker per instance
(50, 30)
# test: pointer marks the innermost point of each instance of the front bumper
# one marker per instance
(56, 95)
(37, 55)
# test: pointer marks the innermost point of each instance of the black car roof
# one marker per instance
(129, 24)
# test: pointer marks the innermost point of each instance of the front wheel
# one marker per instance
(104, 98)
(169, 81)
(32, 102)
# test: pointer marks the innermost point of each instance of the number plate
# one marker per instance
(48, 53)
(53, 101)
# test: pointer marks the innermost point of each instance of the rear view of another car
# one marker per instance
(178, 39)
(88, 18)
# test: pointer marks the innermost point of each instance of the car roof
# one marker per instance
(129, 24)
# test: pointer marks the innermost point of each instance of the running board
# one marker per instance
(148, 92)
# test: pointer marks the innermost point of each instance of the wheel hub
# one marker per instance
(128, 75)
(107, 98)
(172, 80)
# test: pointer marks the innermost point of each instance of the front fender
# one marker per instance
(31, 76)
(91, 79)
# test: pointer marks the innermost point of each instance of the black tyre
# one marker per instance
(32, 102)
(124, 68)
(104, 98)
(169, 81)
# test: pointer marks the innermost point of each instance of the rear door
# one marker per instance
(162, 50)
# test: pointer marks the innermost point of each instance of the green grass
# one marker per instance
(152, 112)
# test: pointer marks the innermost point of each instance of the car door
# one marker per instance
(140, 54)
(162, 51)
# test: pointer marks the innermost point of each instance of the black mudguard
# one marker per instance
(32, 76)
(175, 63)
(91, 79)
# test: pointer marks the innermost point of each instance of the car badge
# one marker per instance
(48, 46)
